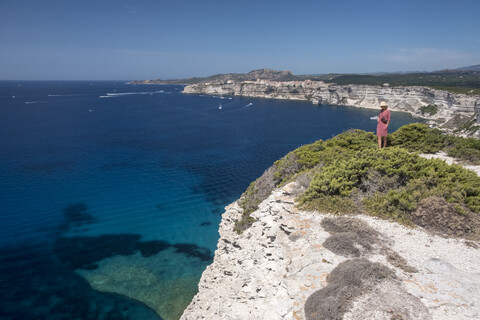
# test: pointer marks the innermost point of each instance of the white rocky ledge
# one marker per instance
(270, 270)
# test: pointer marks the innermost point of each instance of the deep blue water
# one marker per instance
(110, 202)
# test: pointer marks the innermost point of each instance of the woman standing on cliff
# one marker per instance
(382, 125)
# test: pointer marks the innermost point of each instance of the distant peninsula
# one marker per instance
(461, 80)
(266, 74)
(446, 99)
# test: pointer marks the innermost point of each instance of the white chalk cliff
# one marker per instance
(295, 264)
(286, 266)
(452, 109)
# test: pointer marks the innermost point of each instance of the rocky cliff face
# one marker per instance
(292, 264)
(442, 109)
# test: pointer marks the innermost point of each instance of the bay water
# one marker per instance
(111, 194)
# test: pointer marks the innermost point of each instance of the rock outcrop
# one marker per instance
(292, 264)
(443, 109)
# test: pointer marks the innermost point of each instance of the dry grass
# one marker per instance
(348, 281)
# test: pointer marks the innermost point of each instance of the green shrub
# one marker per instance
(308, 155)
(431, 109)
(344, 176)
(464, 148)
(332, 204)
(393, 206)
(418, 137)
(353, 140)
(411, 177)
(300, 160)
(350, 174)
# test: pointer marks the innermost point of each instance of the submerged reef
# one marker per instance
(110, 276)
(161, 275)
(36, 285)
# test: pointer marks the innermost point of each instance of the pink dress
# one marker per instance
(382, 125)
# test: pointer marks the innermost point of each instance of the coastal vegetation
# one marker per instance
(349, 174)
(431, 109)
(420, 138)
(463, 80)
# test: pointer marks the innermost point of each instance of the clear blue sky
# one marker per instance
(148, 39)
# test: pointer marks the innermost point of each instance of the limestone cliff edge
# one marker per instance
(454, 113)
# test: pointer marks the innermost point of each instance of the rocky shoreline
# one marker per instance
(454, 113)
(292, 264)
(276, 261)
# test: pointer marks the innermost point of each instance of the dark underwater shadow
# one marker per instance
(40, 282)
(35, 285)
(76, 215)
(86, 252)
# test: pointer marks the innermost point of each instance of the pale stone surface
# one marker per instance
(450, 160)
(270, 270)
(408, 99)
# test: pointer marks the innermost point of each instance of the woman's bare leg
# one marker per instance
(380, 142)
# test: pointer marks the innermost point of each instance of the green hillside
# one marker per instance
(462, 80)
(466, 82)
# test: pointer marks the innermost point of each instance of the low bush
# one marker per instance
(418, 137)
(349, 174)
(299, 161)
(431, 109)
(464, 148)
(404, 180)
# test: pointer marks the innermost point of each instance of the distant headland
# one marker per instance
(461, 80)
(447, 99)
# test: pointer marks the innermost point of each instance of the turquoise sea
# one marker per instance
(111, 194)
